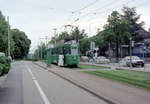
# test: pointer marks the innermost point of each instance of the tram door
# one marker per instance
(61, 60)
(64, 54)
(61, 57)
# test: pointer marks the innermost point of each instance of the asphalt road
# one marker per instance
(30, 84)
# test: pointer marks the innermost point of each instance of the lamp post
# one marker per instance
(8, 37)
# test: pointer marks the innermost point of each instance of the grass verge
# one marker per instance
(138, 79)
(90, 67)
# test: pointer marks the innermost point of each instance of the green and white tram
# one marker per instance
(65, 54)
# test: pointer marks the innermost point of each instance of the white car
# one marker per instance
(101, 60)
(2, 54)
(133, 60)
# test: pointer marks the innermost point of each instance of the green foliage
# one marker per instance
(116, 32)
(84, 45)
(4, 65)
(40, 53)
(1, 68)
(63, 36)
(76, 34)
(130, 15)
(117, 29)
(22, 43)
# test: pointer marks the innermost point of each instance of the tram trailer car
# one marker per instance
(65, 54)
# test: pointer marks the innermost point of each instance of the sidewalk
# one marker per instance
(2, 80)
(109, 90)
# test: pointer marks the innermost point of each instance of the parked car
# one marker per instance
(101, 60)
(2, 54)
(134, 61)
(84, 58)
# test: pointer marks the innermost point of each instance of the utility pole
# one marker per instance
(41, 51)
(55, 34)
(46, 38)
(8, 37)
(55, 29)
(41, 48)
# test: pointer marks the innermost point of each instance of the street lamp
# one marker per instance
(8, 36)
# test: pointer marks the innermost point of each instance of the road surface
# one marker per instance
(30, 84)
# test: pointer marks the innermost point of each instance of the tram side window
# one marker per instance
(52, 51)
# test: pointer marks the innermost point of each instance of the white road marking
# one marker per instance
(44, 97)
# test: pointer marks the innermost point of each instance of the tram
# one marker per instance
(64, 54)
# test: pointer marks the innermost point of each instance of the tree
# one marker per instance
(76, 34)
(130, 15)
(22, 43)
(117, 31)
(62, 36)
(4, 36)
(84, 45)
(40, 52)
(100, 43)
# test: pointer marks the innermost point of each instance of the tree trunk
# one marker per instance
(117, 50)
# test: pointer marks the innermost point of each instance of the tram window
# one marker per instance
(52, 51)
(74, 51)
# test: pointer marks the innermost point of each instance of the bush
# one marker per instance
(1, 68)
(34, 59)
(4, 65)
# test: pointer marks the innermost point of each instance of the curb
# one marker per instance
(79, 85)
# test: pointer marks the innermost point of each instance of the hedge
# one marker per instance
(4, 65)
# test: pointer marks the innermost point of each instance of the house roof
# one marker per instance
(143, 33)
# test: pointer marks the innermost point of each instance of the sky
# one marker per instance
(38, 18)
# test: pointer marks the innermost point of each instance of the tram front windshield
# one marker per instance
(74, 51)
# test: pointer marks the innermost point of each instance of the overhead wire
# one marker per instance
(78, 11)
(104, 11)
(85, 7)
